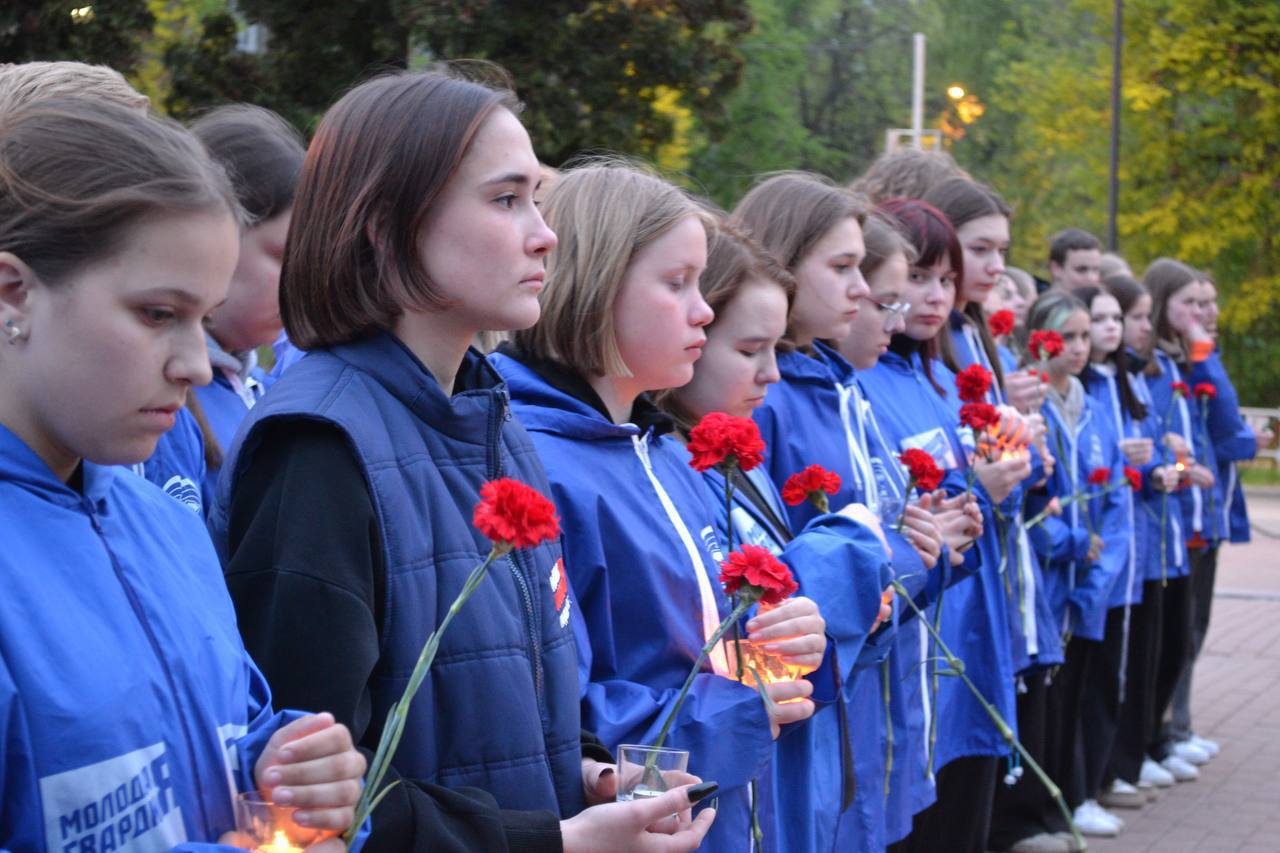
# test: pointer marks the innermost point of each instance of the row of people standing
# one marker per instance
(342, 515)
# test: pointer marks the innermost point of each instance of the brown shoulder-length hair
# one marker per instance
(789, 212)
(372, 174)
(733, 260)
(1163, 279)
(604, 212)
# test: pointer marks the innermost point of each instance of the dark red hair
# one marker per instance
(929, 231)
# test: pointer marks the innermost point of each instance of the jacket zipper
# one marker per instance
(155, 649)
(499, 415)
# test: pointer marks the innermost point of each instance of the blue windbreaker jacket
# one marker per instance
(1233, 441)
(841, 565)
(1167, 551)
(1079, 590)
(817, 415)
(130, 712)
(177, 466)
(1182, 416)
(642, 556)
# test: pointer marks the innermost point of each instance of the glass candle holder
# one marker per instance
(270, 827)
(642, 769)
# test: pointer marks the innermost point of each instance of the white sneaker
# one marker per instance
(1122, 795)
(1090, 819)
(1209, 746)
(1148, 789)
(1181, 770)
(1154, 774)
(1111, 816)
(1190, 753)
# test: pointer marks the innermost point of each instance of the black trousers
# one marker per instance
(1100, 706)
(1204, 572)
(1174, 656)
(1064, 751)
(1137, 712)
(1025, 808)
(960, 819)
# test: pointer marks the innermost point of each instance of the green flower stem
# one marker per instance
(373, 791)
(727, 470)
(935, 629)
(1001, 726)
(743, 605)
(888, 724)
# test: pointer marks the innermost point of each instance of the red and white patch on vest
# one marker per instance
(560, 589)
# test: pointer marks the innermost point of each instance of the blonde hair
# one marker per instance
(603, 212)
(24, 83)
(906, 173)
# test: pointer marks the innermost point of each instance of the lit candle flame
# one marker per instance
(280, 844)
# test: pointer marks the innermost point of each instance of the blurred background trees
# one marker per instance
(717, 91)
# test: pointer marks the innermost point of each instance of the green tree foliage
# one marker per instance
(106, 33)
(619, 75)
(1199, 166)
(823, 81)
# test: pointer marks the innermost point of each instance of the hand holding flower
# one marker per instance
(1137, 451)
(1200, 475)
(1001, 476)
(920, 528)
(1024, 390)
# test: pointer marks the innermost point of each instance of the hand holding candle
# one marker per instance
(312, 765)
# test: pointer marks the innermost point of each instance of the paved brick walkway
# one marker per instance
(1235, 805)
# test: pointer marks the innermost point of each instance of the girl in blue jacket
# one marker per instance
(344, 518)
(640, 528)
(131, 715)
(1184, 346)
(1084, 549)
(817, 414)
(262, 155)
(1128, 761)
(838, 558)
(1006, 604)
(917, 403)
(1106, 381)
(910, 413)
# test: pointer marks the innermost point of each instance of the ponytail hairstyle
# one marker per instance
(789, 212)
(1129, 401)
(932, 240)
(733, 260)
(963, 200)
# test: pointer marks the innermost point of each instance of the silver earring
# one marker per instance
(13, 331)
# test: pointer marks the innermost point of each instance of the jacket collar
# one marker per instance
(561, 400)
(822, 366)
(463, 415)
(19, 464)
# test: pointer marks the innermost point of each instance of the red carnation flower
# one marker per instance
(1099, 476)
(1044, 344)
(723, 440)
(1000, 323)
(973, 383)
(979, 416)
(1205, 390)
(754, 573)
(1135, 478)
(809, 485)
(924, 472)
(1181, 389)
(514, 515)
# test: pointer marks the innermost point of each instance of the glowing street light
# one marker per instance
(955, 91)
(82, 14)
